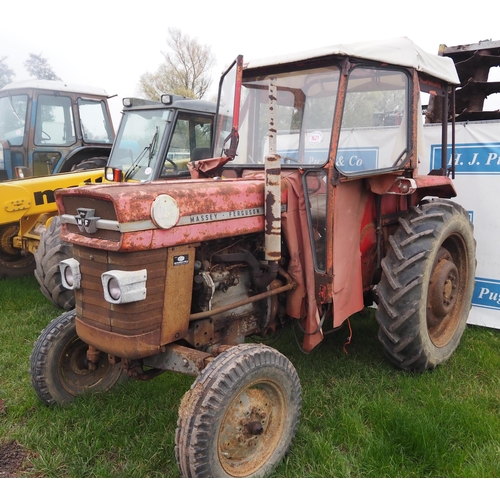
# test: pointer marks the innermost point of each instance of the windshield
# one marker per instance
(302, 116)
(374, 134)
(13, 118)
(136, 144)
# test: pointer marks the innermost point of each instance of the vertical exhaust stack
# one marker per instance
(272, 192)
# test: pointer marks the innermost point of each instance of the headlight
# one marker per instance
(121, 287)
(70, 274)
(165, 212)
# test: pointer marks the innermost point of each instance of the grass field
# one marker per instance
(361, 418)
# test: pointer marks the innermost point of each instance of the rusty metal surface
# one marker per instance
(252, 427)
(227, 208)
(127, 319)
(254, 298)
(473, 63)
(128, 347)
(179, 359)
(272, 226)
(178, 292)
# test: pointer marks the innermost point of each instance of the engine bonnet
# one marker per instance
(133, 217)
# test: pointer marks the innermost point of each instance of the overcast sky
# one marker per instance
(111, 44)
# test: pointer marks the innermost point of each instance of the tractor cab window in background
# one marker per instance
(95, 121)
(13, 118)
(54, 125)
(303, 116)
(136, 144)
(144, 134)
(191, 140)
(374, 133)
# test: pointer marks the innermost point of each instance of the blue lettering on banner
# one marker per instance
(355, 159)
(348, 159)
(477, 159)
(486, 293)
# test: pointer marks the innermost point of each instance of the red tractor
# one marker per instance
(312, 209)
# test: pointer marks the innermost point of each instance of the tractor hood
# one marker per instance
(133, 217)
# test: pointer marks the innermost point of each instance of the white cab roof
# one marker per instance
(55, 85)
(398, 51)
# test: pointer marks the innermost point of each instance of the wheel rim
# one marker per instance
(12, 259)
(447, 289)
(74, 373)
(252, 428)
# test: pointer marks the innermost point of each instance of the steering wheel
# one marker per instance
(172, 162)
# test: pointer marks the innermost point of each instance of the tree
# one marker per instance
(39, 68)
(6, 74)
(186, 70)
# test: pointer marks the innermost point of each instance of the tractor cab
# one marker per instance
(48, 127)
(157, 139)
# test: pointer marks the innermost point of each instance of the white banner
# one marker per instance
(477, 177)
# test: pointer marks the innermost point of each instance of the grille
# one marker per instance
(126, 319)
(103, 209)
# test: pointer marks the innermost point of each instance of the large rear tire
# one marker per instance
(49, 253)
(427, 284)
(59, 367)
(240, 416)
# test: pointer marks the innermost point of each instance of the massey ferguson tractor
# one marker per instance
(313, 207)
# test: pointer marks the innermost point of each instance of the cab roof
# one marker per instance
(397, 51)
(55, 85)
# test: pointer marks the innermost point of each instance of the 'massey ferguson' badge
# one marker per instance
(86, 221)
(180, 260)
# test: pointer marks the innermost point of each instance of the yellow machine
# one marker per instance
(26, 206)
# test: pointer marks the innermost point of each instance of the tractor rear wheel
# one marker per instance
(240, 416)
(59, 367)
(49, 253)
(427, 284)
(14, 262)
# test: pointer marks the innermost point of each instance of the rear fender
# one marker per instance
(418, 187)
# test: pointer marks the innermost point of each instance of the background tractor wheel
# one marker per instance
(59, 367)
(91, 163)
(14, 263)
(240, 416)
(426, 288)
(49, 253)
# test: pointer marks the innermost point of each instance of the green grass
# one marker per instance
(361, 417)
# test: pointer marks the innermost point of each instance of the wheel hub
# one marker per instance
(6, 238)
(442, 295)
(251, 429)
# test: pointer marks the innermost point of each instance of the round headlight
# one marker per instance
(114, 289)
(68, 276)
(164, 211)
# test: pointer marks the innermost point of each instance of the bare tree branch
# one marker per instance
(185, 71)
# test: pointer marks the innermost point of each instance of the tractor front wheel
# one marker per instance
(60, 369)
(427, 283)
(240, 416)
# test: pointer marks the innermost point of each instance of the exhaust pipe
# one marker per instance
(272, 192)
